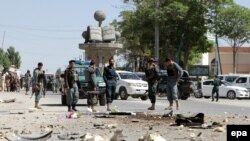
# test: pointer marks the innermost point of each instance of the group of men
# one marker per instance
(12, 83)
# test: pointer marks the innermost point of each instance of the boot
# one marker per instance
(74, 108)
(108, 107)
(69, 109)
(37, 106)
(152, 107)
(170, 107)
(177, 105)
(93, 109)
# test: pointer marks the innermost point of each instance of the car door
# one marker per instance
(207, 88)
(223, 89)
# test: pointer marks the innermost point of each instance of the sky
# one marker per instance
(49, 31)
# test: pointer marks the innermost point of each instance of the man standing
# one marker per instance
(152, 77)
(70, 80)
(174, 72)
(27, 78)
(216, 83)
(91, 78)
(37, 87)
(110, 76)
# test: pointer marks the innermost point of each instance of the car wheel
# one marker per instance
(207, 97)
(145, 97)
(231, 95)
(198, 94)
(123, 94)
(64, 99)
(184, 97)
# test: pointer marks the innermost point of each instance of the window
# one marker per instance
(242, 80)
(231, 78)
(207, 83)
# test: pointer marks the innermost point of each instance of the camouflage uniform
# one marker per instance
(152, 78)
(92, 84)
(27, 81)
(216, 83)
(71, 83)
(38, 78)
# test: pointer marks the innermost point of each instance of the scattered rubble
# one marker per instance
(152, 137)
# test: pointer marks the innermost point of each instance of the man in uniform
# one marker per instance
(110, 78)
(174, 72)
(27, 78)
(70, 80)
(91, 78)
(152, 77)
(37, 87)
(216, 83)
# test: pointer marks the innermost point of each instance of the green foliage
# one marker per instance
(4, 61)
(14, 57)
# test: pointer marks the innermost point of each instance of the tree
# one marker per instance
(4, 61)
(14, 57)
(233, 24)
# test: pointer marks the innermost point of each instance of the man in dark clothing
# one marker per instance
(174, 72)
(216, 83)
(91, 78)
(152, 77)
(70, 80)
(110, 76)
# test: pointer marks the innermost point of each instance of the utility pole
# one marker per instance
(3, 39)
(156, 49)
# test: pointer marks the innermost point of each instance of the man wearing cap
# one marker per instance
(174, 72)
(152, 77)
(37, 87)
(110, 78)
(216, 83)
(70, 79)
(92, 81)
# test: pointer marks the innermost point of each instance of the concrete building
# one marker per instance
(226, 55)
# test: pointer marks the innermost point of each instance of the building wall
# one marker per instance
(226, 55)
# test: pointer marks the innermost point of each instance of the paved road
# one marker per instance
(192, 105)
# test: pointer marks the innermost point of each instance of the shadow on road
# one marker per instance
(56, 105)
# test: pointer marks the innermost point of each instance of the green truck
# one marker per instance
(82, 70)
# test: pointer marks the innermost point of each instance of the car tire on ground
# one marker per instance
(198, 94)
(64, 99)
(123, 93)
(231, 95)
(145, 97)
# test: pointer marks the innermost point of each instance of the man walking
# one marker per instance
(152, 77)
(27, 78)
(110, 76)
(216, 83)
(37, 87)
(70, 80)
(174, 72)
(92, 81)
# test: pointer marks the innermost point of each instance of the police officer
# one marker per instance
(152, 77)
(91, 78)
(174, 72)
(38, 78)
(110, 76)
(216, 83)
(70, 79)
(27, 78)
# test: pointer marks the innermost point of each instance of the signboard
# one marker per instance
(199, 70)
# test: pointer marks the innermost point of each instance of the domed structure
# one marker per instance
(99, 16)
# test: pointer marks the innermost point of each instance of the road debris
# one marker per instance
(197, 119)
(152, 137)
(44, 137)
(8, 100)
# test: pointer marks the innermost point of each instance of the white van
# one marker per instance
(243, 81)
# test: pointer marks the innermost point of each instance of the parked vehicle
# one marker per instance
(129, 84)
(242, 81)
(228, 77)
(225, 90)
(81, 68)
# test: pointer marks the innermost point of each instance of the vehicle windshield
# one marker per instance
(226, 83)
(129, 76)
(82, 72)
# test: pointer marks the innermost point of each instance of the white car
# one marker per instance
(225, 90)
(129, 84)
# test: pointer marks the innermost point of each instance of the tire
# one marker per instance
(184, 97)
(198, 94)
(231, 95)
(144, 98)
(207, 97)
(123, 94)
(64, 99)
(102, 100)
